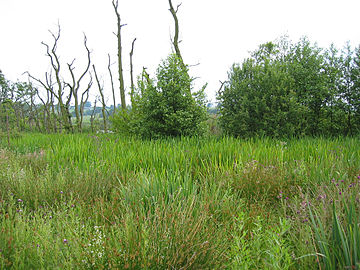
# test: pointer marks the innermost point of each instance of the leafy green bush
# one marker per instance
(165, 106)
(286, 90)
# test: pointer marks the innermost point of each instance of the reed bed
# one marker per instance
(103, 201)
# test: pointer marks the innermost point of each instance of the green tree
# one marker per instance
(355, 96)
(4, 87)
(334, 115)
(259, 97)
(165, 106)
(349, 89)
(307, 67)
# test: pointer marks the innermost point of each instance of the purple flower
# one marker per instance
(358, 177)
(61, 192)
(20, 200)
(340, 193)
(342, 181)
(65, 241)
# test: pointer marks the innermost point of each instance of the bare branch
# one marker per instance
(177, 8)
(131, 72)
(112, 82)
(176, 35)
(120, 69)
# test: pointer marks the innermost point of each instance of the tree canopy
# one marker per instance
(286, 90)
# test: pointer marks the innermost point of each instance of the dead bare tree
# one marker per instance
(63, 92)
(59, 93)
(131, 72)
(175, 42)
(92, 116)
(83, 101)
(120, 69)
(112, 83)
(50, 117)
(102, 99)
(75, 86)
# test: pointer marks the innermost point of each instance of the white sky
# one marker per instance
(214, 34)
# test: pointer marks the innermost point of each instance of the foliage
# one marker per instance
(286, 90)
(84, 201)
(165, 106)
(16, 109)
(341, 250)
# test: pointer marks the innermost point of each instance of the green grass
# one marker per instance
(84, 201)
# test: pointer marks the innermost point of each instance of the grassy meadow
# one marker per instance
(105, 202)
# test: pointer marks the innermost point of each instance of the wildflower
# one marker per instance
(340, 193)
(20, 200)
(65, 241)
(61, 192)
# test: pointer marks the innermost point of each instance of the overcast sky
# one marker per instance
(214, 34)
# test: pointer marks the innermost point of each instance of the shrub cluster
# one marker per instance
(286, 90)
(164, 106)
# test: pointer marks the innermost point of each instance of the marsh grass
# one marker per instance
(85, 201)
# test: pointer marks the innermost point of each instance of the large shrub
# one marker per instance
(165, 106)
(286, 90)
(259, 98)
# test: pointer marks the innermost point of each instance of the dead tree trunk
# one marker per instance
(75, 86)
(92, 116)
(112, 83)
(175, 42)
(131, 73)
(102, 100)
(83, 101)
(118, 35)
